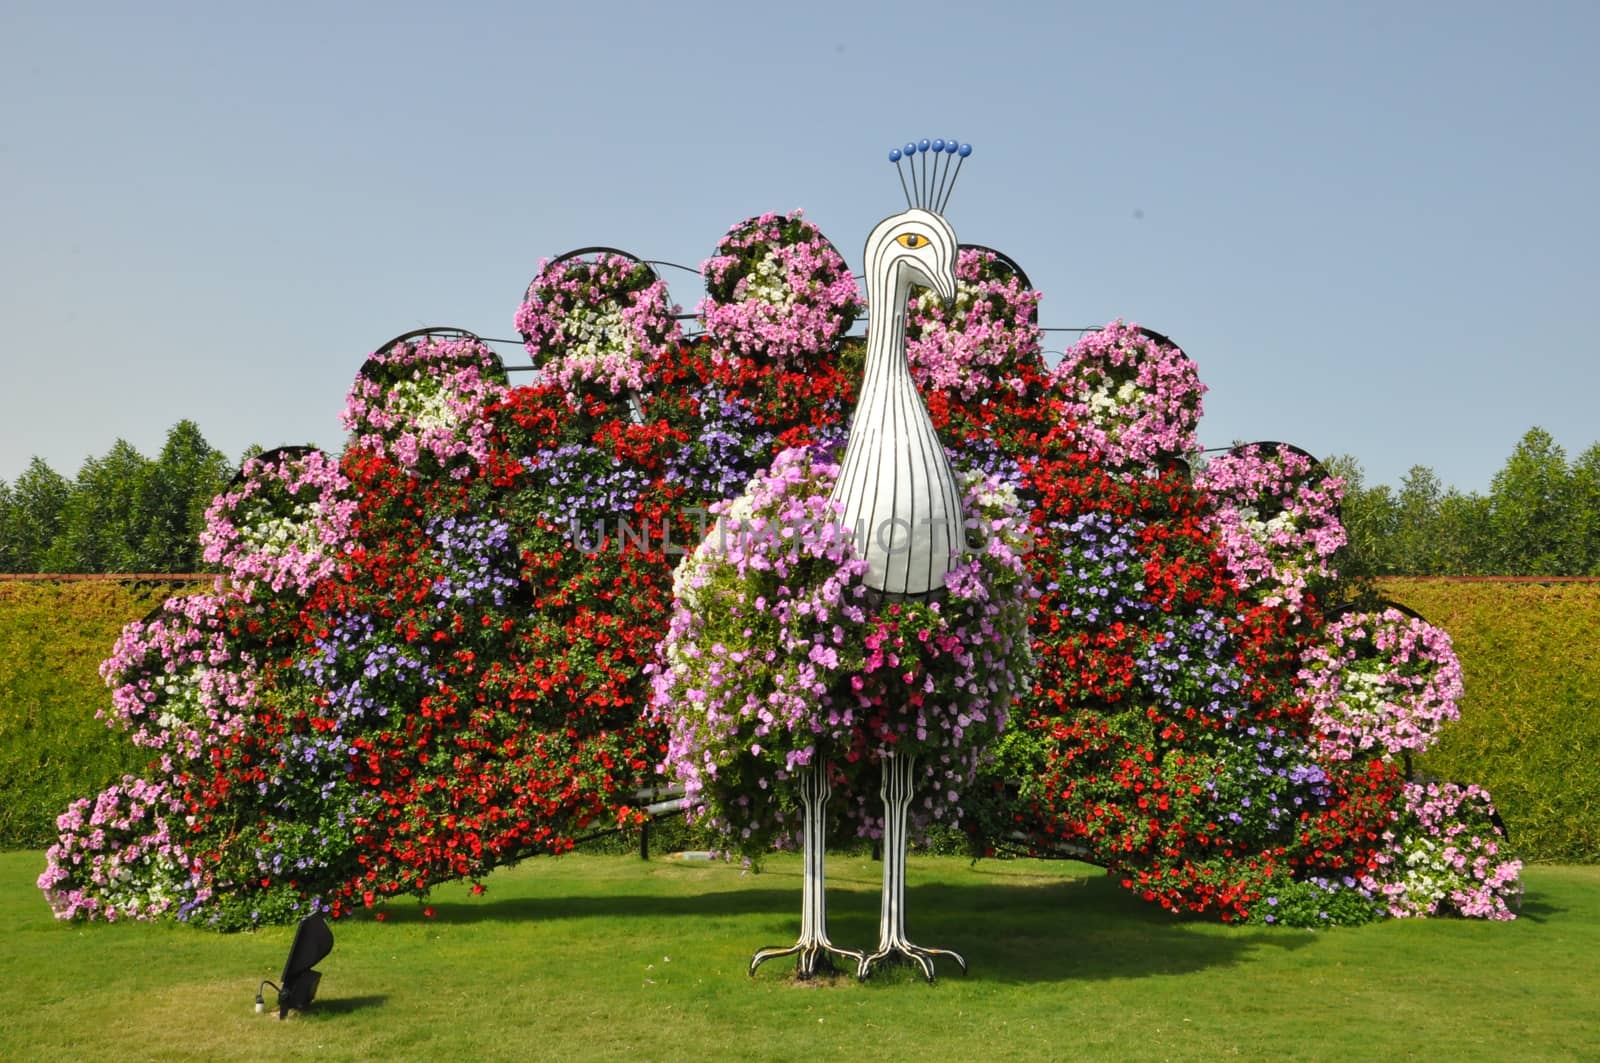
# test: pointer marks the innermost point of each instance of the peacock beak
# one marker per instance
(944, 283)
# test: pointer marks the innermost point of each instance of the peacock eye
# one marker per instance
(912, 240)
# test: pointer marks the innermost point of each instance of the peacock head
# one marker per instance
(917, 247)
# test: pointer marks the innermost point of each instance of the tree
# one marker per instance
(31, 516)
(1581, 543)
(1371, 520)
(1415, 548)
(103, 523)
(8, 549)
(1528, 502)
(184, 479)
(1462, 535)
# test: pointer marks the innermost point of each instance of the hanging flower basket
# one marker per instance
(419, 401)
(986, 339)
(778, 292)
(1276, 517)
(119, 856)
(283, 522)
(598, 317)
(176, 683)
(1443, 856)
(1133, 395)
(1381, 684)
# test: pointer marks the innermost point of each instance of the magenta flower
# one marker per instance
(1443, 856)
(778, 291)
(421, 402)
(1134, 399)
(283, 524)
(1277, 517)
(603, 321)
(1381, 684)
(984, 340)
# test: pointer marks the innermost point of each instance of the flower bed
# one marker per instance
(437, 660)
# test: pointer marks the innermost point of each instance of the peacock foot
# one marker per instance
(816, 957)
(904, 951)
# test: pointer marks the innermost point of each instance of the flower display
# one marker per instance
(776, 656)
(1134, 398)
(976, 345)
(473, 637)
(419, 400)
(766, 607)
(1443, 855)
(118, 859)
(178, 683)
(777, 291)
(601, 321)
(1165, 737)
(283, 523)
(1277, 518)
(1381, 684)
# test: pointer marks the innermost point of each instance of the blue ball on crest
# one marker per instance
(931, 183)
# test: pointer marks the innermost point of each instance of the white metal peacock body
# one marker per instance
(899, 495)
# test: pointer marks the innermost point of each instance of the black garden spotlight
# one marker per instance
(312, 941)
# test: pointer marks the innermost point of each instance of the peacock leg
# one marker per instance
(892, 942)
(814, 949)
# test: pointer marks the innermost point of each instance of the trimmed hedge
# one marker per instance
(52, 749)
(1529, 728)
(1530, 722)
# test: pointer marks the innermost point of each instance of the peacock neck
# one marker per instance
(886, 366)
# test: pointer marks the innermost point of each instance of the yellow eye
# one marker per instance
(912, 240)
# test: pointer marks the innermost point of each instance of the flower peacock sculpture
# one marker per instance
(467, 639)
(919, 601)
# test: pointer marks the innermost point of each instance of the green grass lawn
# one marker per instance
(609, 957)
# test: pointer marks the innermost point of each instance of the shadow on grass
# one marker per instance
(1536, 908)
(1010, 931)
(331, 1006)
(774, 902)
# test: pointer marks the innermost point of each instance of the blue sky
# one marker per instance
(1372, 225)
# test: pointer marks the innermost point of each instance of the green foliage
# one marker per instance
(1313, 902)
(8, 548)
(1541, 518)
(1581, 544)
(104, 521)
(1463, 536)
(585, 957)
(30, 516)
(1528, 508)
(182, 481)
(1528, 731)
(1416, 546)
(1371, 521)
(53, 637)
(123, 513)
